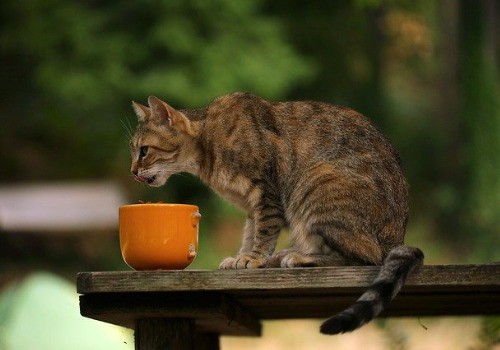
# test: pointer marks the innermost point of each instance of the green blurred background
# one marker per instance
(426, 72)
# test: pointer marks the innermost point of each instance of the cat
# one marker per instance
(324, 171)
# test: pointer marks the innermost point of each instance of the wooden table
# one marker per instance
(191, 309)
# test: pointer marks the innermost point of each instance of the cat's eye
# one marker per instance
(143, 151)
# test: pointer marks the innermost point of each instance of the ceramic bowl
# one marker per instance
(159, 236)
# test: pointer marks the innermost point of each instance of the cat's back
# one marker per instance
(313, 129)
(240, 110)
(281, 118)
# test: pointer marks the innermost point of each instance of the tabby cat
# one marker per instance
(324, 171)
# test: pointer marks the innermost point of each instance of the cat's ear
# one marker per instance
(141, 111)
(176, 119)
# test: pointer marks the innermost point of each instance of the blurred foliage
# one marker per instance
(70, 70)
(425, 72)
(190, 51)
(490, 332)
(480, 108)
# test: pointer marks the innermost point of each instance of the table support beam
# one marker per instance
(207, 341)
(165, 334)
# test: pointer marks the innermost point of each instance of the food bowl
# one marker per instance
(157, 236)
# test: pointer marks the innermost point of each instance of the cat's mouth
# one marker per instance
(148, 180)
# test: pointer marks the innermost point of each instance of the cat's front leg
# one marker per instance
(246, 245)
(248, 235)
(255, 253)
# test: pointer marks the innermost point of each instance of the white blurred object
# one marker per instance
(60, 207)
(42, 313)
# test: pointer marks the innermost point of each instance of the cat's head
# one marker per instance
(163, 143)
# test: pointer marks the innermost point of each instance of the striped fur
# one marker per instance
(323, 171)
(397, 265)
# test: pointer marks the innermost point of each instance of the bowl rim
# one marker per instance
(164, 205)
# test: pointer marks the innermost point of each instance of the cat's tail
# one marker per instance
(397, 265)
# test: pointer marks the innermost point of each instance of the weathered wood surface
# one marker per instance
(213, 312)
(122, 297)
(334, 279)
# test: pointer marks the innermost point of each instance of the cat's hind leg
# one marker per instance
(297, 259)
(310, 250)
(320, 249)
(342, 216)
(293, 258)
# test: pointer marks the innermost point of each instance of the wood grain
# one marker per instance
(433, 278)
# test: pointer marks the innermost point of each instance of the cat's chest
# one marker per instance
(236, 188)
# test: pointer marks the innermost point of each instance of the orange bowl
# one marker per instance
(159, 236)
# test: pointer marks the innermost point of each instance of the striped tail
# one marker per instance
(397, 265)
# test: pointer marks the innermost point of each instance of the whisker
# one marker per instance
(129, 125)
(127, 128)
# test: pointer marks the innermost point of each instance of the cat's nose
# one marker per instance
(134, 172)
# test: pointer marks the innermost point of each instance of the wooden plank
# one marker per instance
(164, 334)
(276, 307)
(213, 312)
(123, 308)
(435, 278)
(232, 302)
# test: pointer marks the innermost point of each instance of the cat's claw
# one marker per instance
(244, 261)
(227, 263)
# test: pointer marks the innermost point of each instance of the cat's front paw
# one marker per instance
(244, 261)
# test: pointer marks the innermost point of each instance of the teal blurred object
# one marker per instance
(42, 312)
